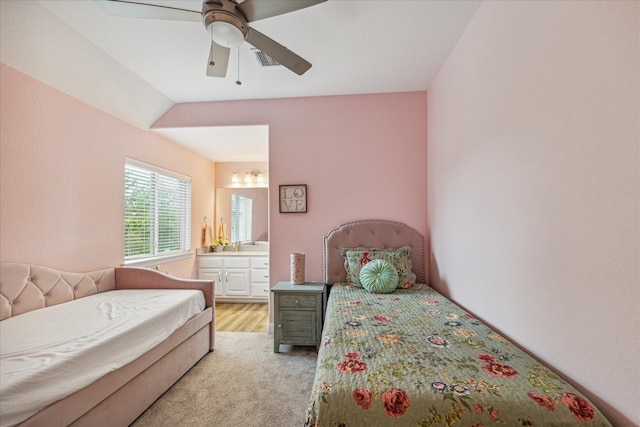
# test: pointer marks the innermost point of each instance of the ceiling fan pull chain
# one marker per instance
(211, 56)
(238, 82)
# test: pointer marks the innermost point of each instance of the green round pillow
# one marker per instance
(379, 276)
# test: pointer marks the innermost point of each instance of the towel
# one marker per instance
(222, 229)
(207, 232)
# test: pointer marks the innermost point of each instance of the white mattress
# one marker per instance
(49, 353)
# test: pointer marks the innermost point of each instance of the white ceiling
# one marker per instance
(136, 69)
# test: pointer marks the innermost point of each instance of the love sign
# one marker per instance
(293, 198)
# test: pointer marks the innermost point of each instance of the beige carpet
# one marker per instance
(242, 383)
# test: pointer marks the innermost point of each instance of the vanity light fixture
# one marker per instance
(251, 177)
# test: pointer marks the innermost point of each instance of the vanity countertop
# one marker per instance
(232, 253)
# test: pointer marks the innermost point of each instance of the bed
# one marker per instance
(95, 348)
(411, 357)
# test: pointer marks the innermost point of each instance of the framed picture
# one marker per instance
(293, 198)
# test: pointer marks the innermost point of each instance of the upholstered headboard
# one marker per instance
(370, 233)
(25, 287)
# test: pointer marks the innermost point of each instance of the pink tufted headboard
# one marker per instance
(370, 233)
(25, 287)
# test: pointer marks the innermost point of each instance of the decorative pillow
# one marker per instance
(356, 258)
(379, 276)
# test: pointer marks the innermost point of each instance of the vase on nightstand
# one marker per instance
(297, 268)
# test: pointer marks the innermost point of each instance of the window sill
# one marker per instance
(145, 262)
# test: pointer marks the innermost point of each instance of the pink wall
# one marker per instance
(62, 178)
(62, 171)
(534, 186)
(361, 156)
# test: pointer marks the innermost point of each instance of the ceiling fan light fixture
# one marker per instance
(226, 34)
(227, 22)
(227, 27)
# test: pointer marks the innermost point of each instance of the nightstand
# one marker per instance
(298, 315)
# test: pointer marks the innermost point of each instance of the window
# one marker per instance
(241, 213)
(157, 213)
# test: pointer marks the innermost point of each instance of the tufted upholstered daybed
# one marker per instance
(119, 396)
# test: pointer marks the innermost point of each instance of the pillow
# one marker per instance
(379, 276)
(356, 258)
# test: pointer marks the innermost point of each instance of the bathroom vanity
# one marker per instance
(241, 276)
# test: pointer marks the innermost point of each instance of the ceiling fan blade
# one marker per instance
(149, 11)
(218, 60)
(255, 10)
(278, 52)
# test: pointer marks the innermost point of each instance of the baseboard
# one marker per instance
(242, 300)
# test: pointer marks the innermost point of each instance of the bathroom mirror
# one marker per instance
(260, 211)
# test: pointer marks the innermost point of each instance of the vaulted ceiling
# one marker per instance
(137, 69)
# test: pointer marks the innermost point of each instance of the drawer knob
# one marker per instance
(298, 302)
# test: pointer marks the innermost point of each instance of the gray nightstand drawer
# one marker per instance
(297, 301)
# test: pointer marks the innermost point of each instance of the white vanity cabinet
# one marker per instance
(240, 278)
(210, 268)
(260, 277)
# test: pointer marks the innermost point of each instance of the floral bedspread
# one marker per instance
(414, 358)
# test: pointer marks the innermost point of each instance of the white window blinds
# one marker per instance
(241, 214)
(157, 218)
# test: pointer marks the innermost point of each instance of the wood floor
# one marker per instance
(242, 317)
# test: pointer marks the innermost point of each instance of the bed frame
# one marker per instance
(119, 397)
(342, 401)
(370, 233)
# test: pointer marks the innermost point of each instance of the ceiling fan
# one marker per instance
(227, 21)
